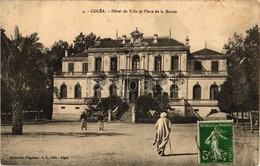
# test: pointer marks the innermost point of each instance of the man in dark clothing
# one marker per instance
(83, 118)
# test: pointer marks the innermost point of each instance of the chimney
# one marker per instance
(187, 41)
(66, 53)
(116, 34)
(124, 38)
(155, 36)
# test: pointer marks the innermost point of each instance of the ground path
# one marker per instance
(119, 144)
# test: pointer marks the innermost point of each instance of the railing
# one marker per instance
(112, 73)
(98, 73)
(202, 102)
(77, 73)
(170, 73)
(69, 100)
(158, 73)
(202, 72)
(132, 72)
(176, 101)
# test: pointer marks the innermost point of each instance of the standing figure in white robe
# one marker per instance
(162, 135)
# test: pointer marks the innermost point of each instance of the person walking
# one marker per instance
(162, 134)
(100, 118)
(83, 119)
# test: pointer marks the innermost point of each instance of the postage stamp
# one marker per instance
(215, 140)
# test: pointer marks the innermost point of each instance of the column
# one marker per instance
(144, 62)
(102, 60)
(180, 62)
(130, 62)
(162, 63)
(118, 63)
(109, 115)
(133, 114)
(139, 87)
(123, 89)
(126, 62)
(147, 62)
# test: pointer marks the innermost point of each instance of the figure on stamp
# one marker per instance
(214, 139)
(162, 135)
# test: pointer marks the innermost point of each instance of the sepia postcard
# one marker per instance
(130, 82)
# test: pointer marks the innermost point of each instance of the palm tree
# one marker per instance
(21, 62)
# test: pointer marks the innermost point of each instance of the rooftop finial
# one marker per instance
(116, 34)
(136, 29)
(187, 41)
(205, 44)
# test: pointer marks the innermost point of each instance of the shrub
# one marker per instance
(146, 103)
(106, 104)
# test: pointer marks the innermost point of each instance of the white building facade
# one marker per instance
(133, 66)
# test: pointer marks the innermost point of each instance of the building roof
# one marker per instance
(80, 54)
(148, 41)
(206, 51)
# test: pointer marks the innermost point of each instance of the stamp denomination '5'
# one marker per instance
(215, 139)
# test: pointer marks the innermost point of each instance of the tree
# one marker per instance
(240, 91)
(147, 102)
(83, 42)
(55, 55)
(106, 104)
(22, 73)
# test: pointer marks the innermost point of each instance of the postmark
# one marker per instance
(215, 140)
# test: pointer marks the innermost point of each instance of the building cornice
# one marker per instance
(138, 49)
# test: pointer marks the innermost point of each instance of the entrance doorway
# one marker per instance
(133, 90)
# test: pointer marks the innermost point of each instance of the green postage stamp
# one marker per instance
(215, 140)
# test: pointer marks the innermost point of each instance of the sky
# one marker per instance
(211, 22)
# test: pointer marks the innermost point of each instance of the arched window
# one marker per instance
(157, 90)
(213, 92)
(174, 91)
(136, 62)
(196, 92)
(77, 91)
(112, 90)
(63, 91)
(97, 91)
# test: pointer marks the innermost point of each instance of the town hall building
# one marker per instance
(137, 65)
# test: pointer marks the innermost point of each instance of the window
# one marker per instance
(113, 64)
(77, 108)
(71, 67)
(157, 63)
(197, 92)
(85, 68)
(174, 63)
(63, 91)
(213, 92)
(97, 91)
(197, 66)
(214, 66)
(157, 91)
(77, 91)
(174, 91)
(62, 107)
(98, 64)
(136, 62)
